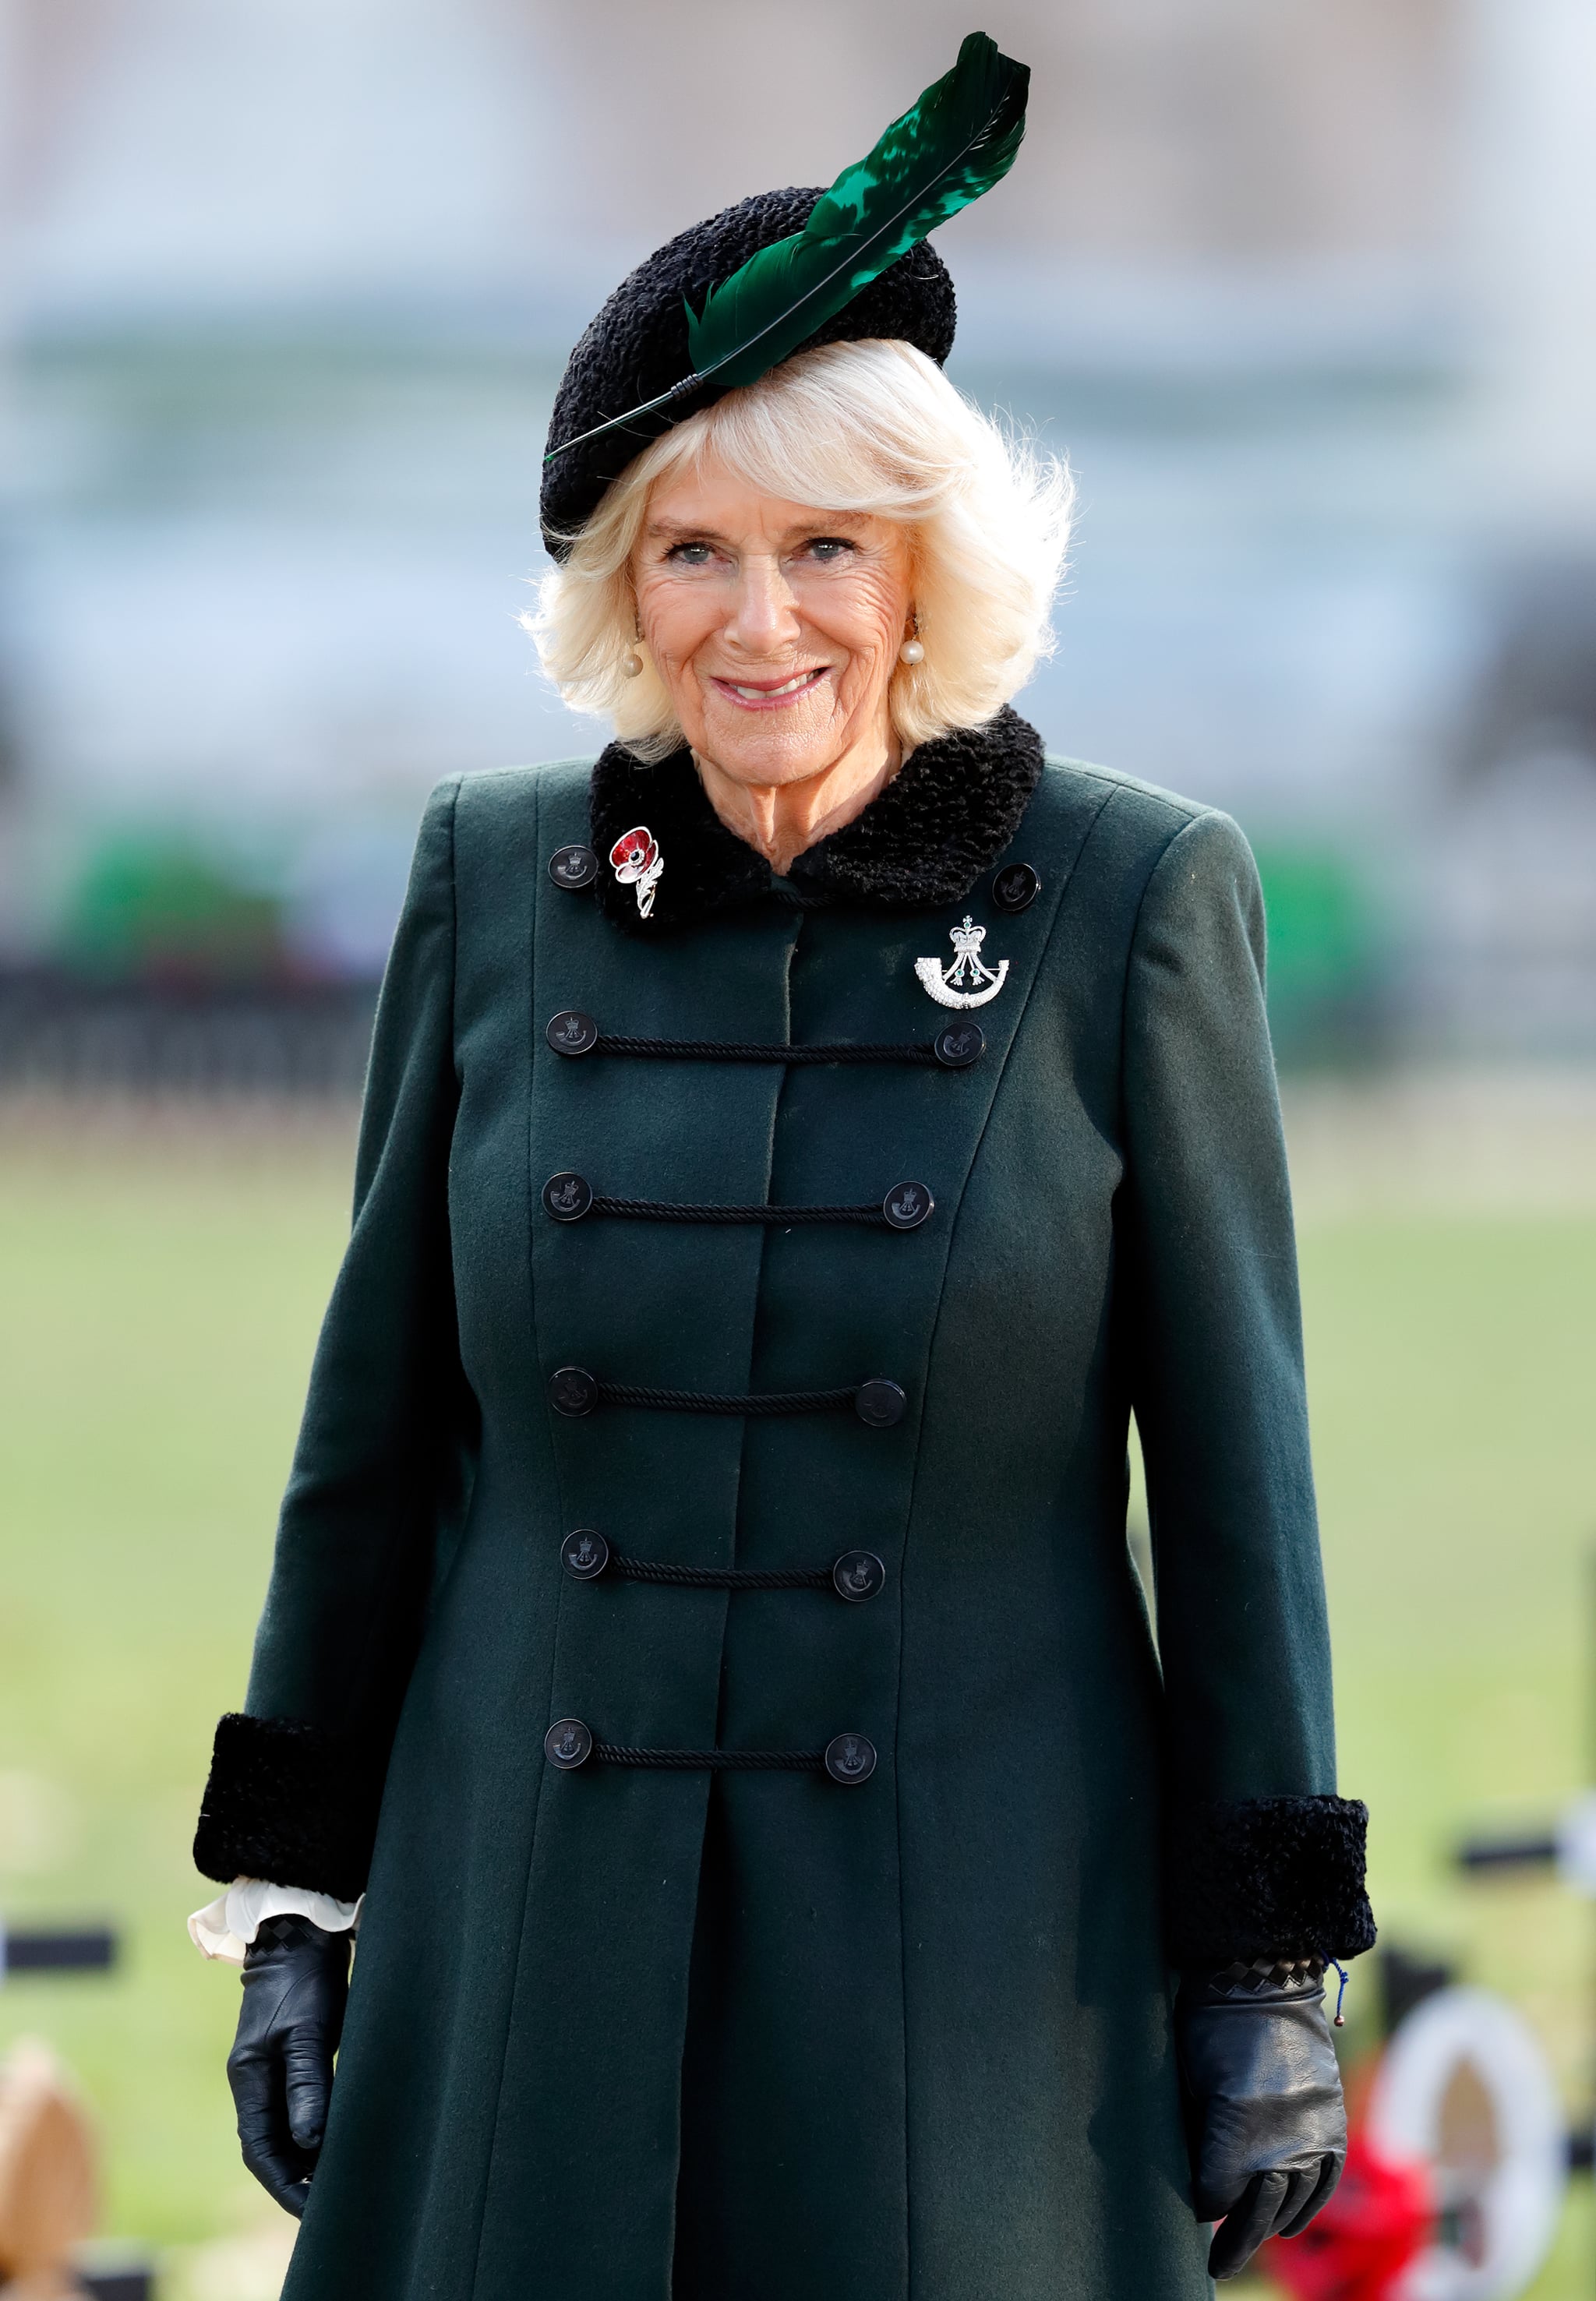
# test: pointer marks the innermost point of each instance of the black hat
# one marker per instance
(722, 303)
(636, 347)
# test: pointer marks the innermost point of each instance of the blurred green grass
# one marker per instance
(160, 1287)
(159, 1297)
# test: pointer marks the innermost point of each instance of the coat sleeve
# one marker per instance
(1263, 1859)
(384, 1457)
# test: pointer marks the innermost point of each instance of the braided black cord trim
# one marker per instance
(717, 1050)
(714, 1761)
(704, 1401)
(778, 1218)
(710, 1578)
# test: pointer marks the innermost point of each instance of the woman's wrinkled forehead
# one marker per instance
(708, 502)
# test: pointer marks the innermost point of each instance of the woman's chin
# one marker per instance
(755, 748)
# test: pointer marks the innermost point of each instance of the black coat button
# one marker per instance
(573, 1390)
(906, 1205)
(574, 866)
(1015, 887)
(567, 1197)
(569, 1744)
(878, 1401)
(957, 1047)
(858, 1574)
(571, 1032)
(584, 1554)
(849, 1758)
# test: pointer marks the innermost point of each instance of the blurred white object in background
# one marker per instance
(1577, 1845)
(1465, 2085)
(227, 158)
(1531, 216)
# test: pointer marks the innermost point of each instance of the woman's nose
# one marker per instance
(764, 614)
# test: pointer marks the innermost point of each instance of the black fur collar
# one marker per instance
(950, 812)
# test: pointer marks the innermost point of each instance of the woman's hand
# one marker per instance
(1269, 2127)
(295, 1979)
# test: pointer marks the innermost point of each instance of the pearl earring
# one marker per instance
(911, 652)
(632, 663)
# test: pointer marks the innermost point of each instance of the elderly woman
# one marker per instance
(794, 1147)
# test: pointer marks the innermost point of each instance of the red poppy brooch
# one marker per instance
(636, 861)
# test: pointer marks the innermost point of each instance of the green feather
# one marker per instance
(956, 142)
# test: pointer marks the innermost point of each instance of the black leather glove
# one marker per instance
(1268, 2124)
(295, 1980)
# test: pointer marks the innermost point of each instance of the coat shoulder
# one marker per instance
(1077, 786)
(1138, 822)
(505, 818)
(506, 798)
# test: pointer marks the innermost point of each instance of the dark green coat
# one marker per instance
(911, 2037)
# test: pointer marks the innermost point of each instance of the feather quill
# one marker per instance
(953, 143)
(956, 141)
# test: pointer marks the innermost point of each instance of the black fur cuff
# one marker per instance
(1276, 1877)
(288, 1802)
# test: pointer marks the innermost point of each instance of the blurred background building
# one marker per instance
(1308, 296)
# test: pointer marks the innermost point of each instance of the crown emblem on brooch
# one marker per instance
(966, 981)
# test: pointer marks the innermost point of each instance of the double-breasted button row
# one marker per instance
(849, 1759)
(880, 1402)
(568, 1197)
(857, 1575)
(573, 1032)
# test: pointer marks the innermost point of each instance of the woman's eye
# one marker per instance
(689, 555)
(829, 548)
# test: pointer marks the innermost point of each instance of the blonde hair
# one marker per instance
(864, 427)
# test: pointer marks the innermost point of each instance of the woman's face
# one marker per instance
(775, 627)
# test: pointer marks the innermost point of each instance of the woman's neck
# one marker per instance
(781, 821)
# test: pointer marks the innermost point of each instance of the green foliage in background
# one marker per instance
(1325, 960)
(159, 1296)
(151, 904)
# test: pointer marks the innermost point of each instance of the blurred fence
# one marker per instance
(65, 1033)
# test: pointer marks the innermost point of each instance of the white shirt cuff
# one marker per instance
(225, 1927)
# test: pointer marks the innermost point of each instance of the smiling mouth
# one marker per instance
(771, 695)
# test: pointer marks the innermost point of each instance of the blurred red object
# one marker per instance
(1377, 2222)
